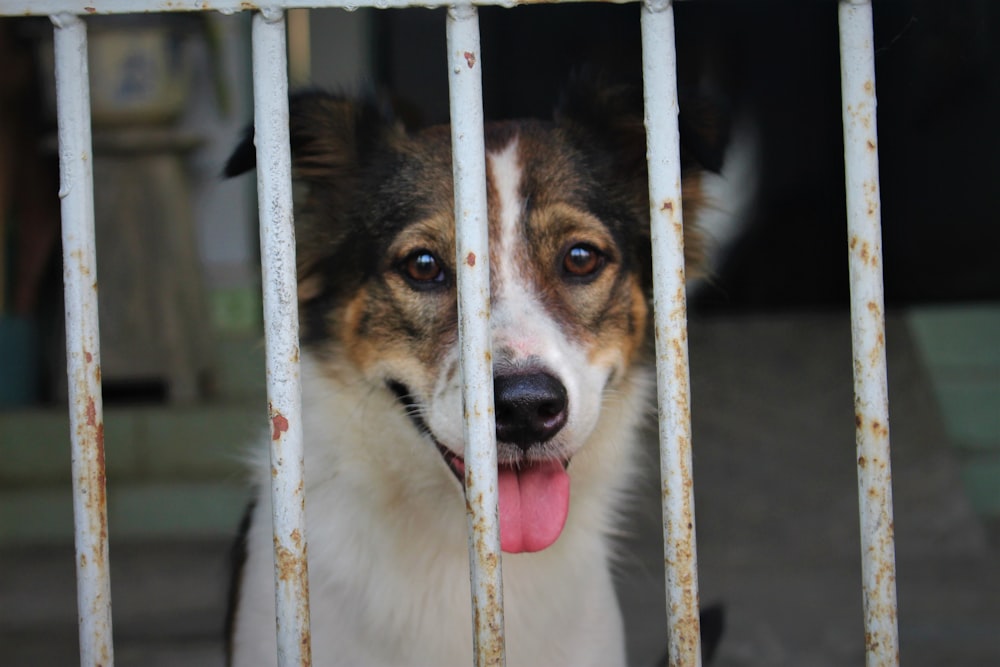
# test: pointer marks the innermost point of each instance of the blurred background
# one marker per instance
(181, 335)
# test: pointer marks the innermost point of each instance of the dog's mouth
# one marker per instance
(533, 493)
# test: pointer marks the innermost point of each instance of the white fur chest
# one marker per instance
(388, 561)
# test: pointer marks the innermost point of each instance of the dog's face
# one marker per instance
(568, 226)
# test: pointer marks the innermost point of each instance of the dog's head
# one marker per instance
(569, 272)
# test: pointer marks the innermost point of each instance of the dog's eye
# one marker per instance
(583, 261)
(422, 268)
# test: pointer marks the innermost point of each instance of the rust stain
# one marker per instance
(470, 259)
(668, 206)
(678, 229)
(88, 356)
(862, 462)
(90, 10)
(288, 564)
(91, 412)
(476, 619)
(688, 631)
(279, 424)
(865, 252)
(304, 641)
(871, 145)
(100, 447)
(879, 429)
(869, 87)
(99, 444)
(470, 59)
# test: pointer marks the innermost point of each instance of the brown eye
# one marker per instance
(422, 269)
(583, 261)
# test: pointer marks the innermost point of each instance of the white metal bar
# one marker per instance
(281, 325)
(871, 398)
(46, 7)
(83, 358)
(473, 269)
(281, 328)
(659, 60)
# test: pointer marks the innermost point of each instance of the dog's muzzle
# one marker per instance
(531, 408)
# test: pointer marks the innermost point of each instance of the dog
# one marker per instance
(570, 278)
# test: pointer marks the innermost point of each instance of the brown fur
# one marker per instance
(568, 217)
(584, 181)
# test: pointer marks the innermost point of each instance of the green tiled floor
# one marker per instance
(172, 471)
(960, 346)
(148, 443)
(136, 511)
(177, 470)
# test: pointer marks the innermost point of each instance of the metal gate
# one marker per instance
(281, 319)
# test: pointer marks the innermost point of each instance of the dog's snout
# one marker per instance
(530, 408)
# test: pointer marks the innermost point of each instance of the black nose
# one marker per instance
(530, 408)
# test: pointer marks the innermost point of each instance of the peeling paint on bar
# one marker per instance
(281, 329)
(83, 357)
(868, 334)
(670, 318)
(472, 260)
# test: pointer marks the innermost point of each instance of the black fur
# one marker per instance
(713, 624)
(237, 560)
(612, 115)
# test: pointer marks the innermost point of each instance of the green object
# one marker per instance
(18, 361)
(960, 345)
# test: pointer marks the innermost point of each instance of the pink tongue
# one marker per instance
(534, 502)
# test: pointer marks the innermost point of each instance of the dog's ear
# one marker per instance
(332, 139)
(612, 114)
(605, 122)
(329, 136)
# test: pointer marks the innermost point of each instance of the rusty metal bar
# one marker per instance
(659, 60)
(281, 329)
(871, 400)
(83, 357)
(472, 260)
(281, 325)
(46, 7)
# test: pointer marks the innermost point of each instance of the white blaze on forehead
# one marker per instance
(505, 172)
(522, 327)
(514, 302)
